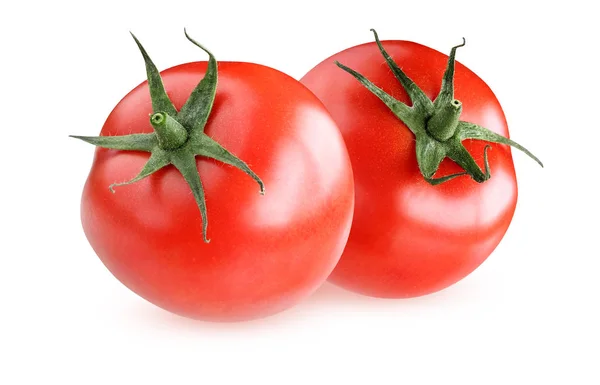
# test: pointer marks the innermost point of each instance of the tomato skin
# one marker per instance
(266, 252)
(410, 238)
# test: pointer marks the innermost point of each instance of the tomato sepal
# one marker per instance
(436, 124)
(178, 136)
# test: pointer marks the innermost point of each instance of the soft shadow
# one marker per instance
(332, 296)
(328, 299)
(155, 317)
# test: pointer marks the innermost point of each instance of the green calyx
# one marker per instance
(436, 125)
(178, 136)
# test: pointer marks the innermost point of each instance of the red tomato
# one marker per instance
(410, 238)
(266, 252)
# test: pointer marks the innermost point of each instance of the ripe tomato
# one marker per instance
(266, 252)
(409, 237)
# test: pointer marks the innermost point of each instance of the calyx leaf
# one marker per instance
(178, 136)
(439, 132)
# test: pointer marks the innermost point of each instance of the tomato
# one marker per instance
(410, 237)
(265, 253)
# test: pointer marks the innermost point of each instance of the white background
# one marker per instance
(528, 315)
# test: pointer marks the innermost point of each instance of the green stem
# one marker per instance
(170, 133)
(442, 125)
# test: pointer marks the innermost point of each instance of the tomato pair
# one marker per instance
(198, 144)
